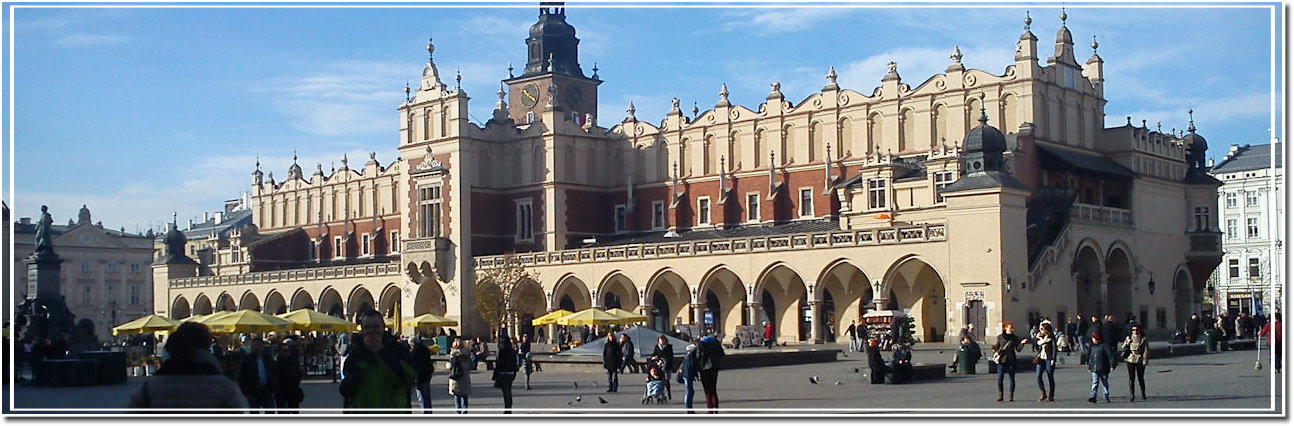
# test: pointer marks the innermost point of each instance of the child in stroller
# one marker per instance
(655, 393)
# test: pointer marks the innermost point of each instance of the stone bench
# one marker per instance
(920, 372)
(1182, 349)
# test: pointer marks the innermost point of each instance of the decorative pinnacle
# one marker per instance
(509, 69)
(723, 92)
(695, 110)
(458, 79)
(1094, 44)
(406, 91)
(1191, 113)
(258, 163)
(831, 75)
(551, 60)
(1027, 20)
(1063, 16)
(431, 49)
(983, 115)
(595, 70)
(957, 54)
(294, 156)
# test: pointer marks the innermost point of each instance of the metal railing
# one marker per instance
(801, 241)
(1099, 214)
(1049, 256)
(306, 274)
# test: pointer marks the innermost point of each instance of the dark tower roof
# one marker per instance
(984, 146)
(552, 46)
(1196, 146)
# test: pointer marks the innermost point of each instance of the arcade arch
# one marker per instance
(330, 303)
(571, 294)
(360, 300)
(784, 300)
(1088, 280)
(667, 300)
(225, 302)
(1119, 285)
(201, 305)
(301, 299)
(916, 286)
(180, 308)
(850, 290)
(617, 291)
(274, 303)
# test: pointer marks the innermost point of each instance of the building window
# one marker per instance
(85, 295)
(85, 266)
(337, 248)
(134, 267)
(1231, 228)
(395, 242)
(806, 202)
(525, 221)
(621, 218)
(429, 211)
(134, 295)
(314, 250)
(752, 207)
(112, 266)
(1231, 200)
(1253, 268)
(1201, 218)
(942, 179)
(1233, 268)
(703, 211)
(364, 244)
(876, 193)
(530, 117)
(658, 215)
(1251, 198)
(1251, 227)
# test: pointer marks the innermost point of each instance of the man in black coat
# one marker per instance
(875, 362)
(423, 366)
(1100, 362)
(1193, 328)
(1109, 330)
(612, 357)
(256, 377)
(287, 391)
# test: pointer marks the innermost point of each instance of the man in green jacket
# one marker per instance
(379, 371)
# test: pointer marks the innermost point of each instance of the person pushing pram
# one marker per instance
(657, 392)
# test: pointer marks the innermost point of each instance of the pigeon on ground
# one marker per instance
(579, 397)
(1164, 371)
(837, 383)
(602, 400)
(813, 379)
(577, 384)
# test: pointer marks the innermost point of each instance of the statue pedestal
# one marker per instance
(47, 314)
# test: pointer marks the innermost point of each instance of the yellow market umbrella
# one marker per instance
(213, 316)
(430, 320)
(590, 316)
(146, 324)
(628, 316)
(247, 321)
(195, 318)
(306, 319)
(551, 317)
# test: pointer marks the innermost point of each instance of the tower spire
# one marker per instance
(1191, 113)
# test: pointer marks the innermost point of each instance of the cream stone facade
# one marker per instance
(805, 214)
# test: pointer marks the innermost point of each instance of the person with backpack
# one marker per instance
(708, 365)
(688, 373)
(379, 371)
(460, 376)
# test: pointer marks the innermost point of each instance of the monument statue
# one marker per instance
(44, 242)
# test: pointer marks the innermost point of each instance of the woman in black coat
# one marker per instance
(1007, 346)
(505, 371)
(424, 367)
(665, 351)
(611, 359)
(288, 393)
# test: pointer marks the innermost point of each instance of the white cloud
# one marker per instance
(1208, 112)
(781, 20)
(344, 99)
(916, 64)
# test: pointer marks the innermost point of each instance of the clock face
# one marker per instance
(574, 97)
(530, 95)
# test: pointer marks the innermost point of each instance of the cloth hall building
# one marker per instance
(971, 197)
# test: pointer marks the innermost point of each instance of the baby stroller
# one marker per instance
(655, 393)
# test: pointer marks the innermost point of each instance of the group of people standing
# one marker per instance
(1098, 354)
(702, 361)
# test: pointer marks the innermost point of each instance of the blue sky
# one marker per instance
(141, 111)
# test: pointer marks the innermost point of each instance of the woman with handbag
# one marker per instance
(505, 371)
(460, 378)
(1135, 352)
(1045, 362)
(1008, 344)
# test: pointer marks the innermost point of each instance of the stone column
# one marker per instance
(752, 313)
(698, 314)
(818, 334)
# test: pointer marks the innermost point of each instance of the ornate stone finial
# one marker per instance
(956, 58)
(294, 156)
(983, 114)
(1143, 123)
(1027, 20)
(831, 80)
(510, 69)
(777, 86)
(1094, 44)
(458, 80)
(629, 112)
(1063, 16)
(771, 158)
(319, 169)
(551, 61)
(407, 97)
(344, 161)
(372, 156)
(1129, 120)
(695, 110)
(892, 73)
(674, 106)
(595, 70)
(431, 49)
(723, 93)
(552, 95)
(1191, 113)
(1159, 126)
(502, 104)
(258, 163)
(776, 92)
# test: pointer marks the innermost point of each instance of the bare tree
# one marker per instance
(507, 291)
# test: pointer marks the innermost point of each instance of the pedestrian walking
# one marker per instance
(768, 335)
(287, 393)
(1100, 362)
(1085, 330)
(710, 357)
(612, 357)
(379, 372)
(190, 378)
(460, 376)
(1193, 328)
(1007, 346)
(480, 350)
(1135, 352)
(523, 352)
(505, 371)
(256, 377)
(1110, 331)
(1273, 332)
(1227, 326)
(1045, 363)
(689, 374)
(664, 351)
(423, 367)
(627, 351)
(853, 337)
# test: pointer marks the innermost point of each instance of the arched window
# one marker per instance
(662, 161)
(540, 168)
(938, 125)
(788, 140)
(408, 125)
(844, 138)
(707, 156)
(815, 140)
(907, 136)
(874, 132)
(444, 121)
(683, 165)
(1010, 120)
(759, 148)
(972, 113)
(426, 123)
(734, 150)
